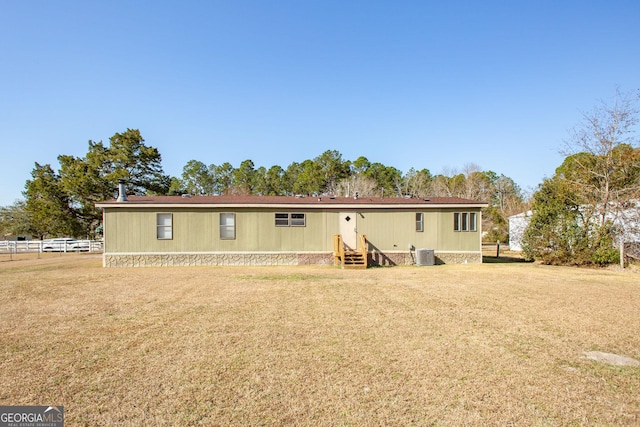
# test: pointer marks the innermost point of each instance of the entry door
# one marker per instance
(349, 229)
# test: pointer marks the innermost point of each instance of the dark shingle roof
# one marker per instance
(288, 200)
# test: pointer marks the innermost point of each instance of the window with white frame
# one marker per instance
(227, 226)
(290, 219)
(465, 221)
(298, 220)
(164, 226)
(282, 219)
(419, 221)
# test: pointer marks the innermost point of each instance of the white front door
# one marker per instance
(349, 229)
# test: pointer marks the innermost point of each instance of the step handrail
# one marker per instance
(364, 249)
(338, 250)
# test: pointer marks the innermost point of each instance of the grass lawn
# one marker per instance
(491, 344)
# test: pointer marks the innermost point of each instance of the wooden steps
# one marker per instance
(348, 258)
(353, 259)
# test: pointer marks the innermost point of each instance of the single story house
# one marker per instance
(283, 230)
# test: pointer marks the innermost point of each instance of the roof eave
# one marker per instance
(343, 206)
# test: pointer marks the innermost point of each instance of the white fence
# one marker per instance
(24, 246)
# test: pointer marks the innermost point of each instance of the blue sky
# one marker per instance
(421, 84)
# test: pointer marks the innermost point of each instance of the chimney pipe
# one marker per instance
(122, 191)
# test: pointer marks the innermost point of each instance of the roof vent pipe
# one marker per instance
(122, 191)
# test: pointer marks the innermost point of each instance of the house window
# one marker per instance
(297, 220)
(290, 219)
(227, 226)
(419, 221)
(282, 220)
(464, 221)
(472, 221)
(164, 226)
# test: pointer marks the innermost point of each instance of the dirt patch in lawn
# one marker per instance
(490, 344)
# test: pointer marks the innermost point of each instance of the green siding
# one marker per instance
(197, 230)
(134, 230)
(395, 231)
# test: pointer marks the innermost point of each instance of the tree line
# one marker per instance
(61, 202)
(330, 174)
(575, 213)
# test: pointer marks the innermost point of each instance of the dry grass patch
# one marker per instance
(446, 345)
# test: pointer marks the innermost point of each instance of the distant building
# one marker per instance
(517, 225)
(626, 220)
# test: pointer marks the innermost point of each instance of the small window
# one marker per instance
(290, 219)
(298, 220)
(164, 226)
(472, 222)
(456, 221)
(282, 220)
(419, 221)
(227, 226)
(464, 221)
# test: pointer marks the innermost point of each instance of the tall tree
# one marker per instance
(508, 196)
(176, 187)
(360, 165)
(222, 178)
(387, 178)
(275, 182)
(15, 220)
(308, 178)
(505, 198)
(478, 185)
(260, 181)
(50, 209)
(359, 184)
(81, 182)
(139, 164)
(244, 178)
(417, 183)
(450, 185)
(562, 232)
(197, 178)
(603, 162)
(64, 203)
(330, 169)
(597, 182)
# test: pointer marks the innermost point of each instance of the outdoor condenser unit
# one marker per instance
(425, 257)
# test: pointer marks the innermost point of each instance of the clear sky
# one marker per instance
(421, 84)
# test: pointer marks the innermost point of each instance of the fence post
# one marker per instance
(621, 253)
